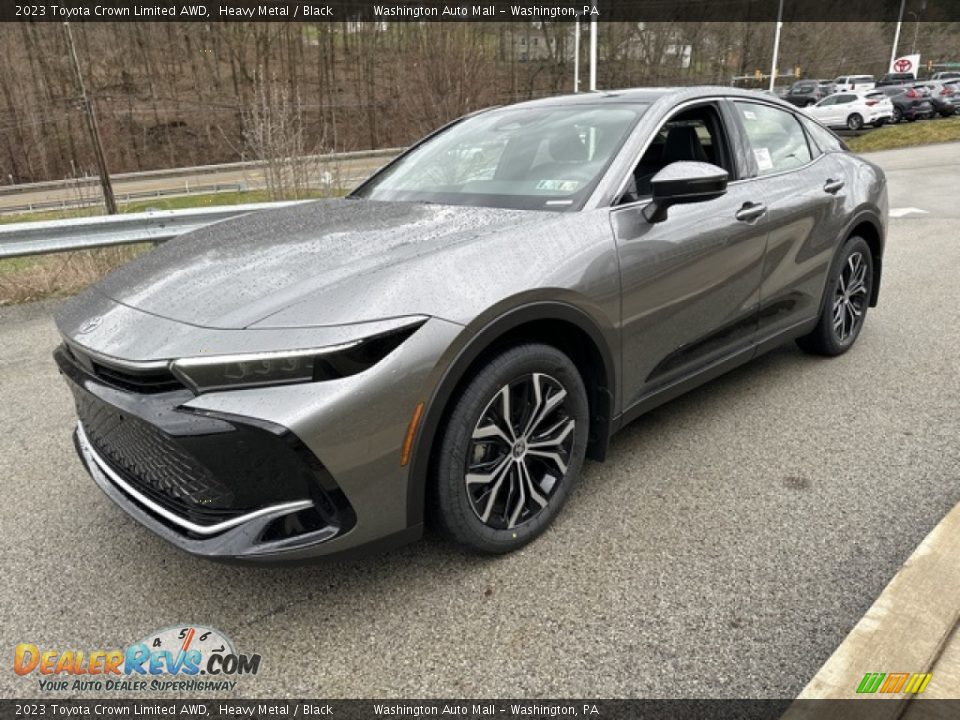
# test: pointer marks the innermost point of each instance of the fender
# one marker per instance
(457, 369)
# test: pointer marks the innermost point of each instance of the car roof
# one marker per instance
(650, 95)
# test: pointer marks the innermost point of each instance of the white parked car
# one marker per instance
(858, 83)
(852, 110)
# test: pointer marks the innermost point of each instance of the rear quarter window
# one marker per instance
(827, 141)
(776, 137)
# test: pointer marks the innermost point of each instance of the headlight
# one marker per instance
(263, 369)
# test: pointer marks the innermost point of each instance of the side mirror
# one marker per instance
(684, 182)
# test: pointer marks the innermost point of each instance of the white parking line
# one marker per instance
(902, 212)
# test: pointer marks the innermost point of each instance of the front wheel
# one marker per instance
(854, 122)
(513, 446)
(897, 116)
(847, 297)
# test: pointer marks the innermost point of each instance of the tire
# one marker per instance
(855, 122)
(843, 312)
(878, 123)
(897, 116)
(525, 487)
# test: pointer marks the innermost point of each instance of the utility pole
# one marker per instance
(776, 47)
(105, 185)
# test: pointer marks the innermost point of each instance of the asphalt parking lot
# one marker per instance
(726, 547)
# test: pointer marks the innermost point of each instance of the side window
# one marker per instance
(844, 99)
(832, 100)
(695, 135)
(775, 135)
(827, 141)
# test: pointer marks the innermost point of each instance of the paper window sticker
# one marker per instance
(764, 161)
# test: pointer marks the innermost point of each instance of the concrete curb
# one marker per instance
(906, 630)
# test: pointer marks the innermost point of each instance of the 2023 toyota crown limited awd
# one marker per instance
(456, 336)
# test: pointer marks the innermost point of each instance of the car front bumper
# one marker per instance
(273, 474)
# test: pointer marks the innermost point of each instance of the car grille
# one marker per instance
(153, 463)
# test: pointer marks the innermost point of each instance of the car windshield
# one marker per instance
(535, 158)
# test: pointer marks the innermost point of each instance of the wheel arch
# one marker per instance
(869, 228)
(558, 324)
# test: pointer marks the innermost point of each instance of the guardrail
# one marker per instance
(195, 170)
(53, 236)
(81, 202)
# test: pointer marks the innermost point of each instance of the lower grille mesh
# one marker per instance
(153, 463)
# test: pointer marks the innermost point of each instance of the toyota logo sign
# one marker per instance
(903, 65)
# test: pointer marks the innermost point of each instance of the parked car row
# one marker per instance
(854, 101)
(853, 110)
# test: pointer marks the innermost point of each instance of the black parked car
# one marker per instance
(805, 92)
(908, 103)
(895, 79)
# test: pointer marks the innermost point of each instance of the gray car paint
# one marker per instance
(326, 272)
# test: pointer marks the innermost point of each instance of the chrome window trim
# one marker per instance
(92, 458)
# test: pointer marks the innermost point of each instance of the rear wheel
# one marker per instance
(854, 122)
(513, 446)
(847, 297)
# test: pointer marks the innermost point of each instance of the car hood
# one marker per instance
(355, 260)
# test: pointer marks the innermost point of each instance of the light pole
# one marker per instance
(896, 35)
(776, 47)
(576, 55)
(916, 25)
(593, 54)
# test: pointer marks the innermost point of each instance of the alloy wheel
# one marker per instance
(850, 298)
(519, 451)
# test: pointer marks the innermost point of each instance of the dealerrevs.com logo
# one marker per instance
(187, 658)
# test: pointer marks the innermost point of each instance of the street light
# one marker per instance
(916, 26)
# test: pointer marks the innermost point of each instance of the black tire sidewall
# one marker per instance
(854, 244)
(451, 505)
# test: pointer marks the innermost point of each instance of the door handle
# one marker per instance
(833, 186)
(750, 211)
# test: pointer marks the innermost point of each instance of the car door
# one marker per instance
(843, 109)
(690, 284)
(805, 191)
(826, 110)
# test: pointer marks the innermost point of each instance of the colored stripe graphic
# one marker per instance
(894, 682)
(914, 683)
(918, 683)
(870, 682)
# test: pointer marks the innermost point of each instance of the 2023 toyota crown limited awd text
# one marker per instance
(452, 339)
